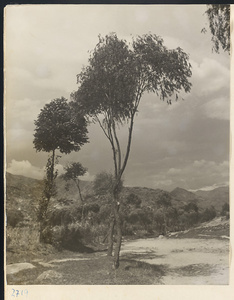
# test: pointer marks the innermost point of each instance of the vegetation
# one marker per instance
(139, 217)
(219, 24)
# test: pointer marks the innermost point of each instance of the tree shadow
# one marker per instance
(158, 270)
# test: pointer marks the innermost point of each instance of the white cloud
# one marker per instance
(212, 187)
(88, 177)
(210, 76)
(26, 169)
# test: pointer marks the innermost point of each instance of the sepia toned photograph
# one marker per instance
(117, 140)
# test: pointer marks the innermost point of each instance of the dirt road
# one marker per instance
(186, 261)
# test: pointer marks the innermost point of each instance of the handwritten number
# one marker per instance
(17, 293)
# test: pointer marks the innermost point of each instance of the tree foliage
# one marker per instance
(73, 171)
(57, 127)
(219, 23)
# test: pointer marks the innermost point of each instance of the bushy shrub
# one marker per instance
(64, 214)
(71, 237)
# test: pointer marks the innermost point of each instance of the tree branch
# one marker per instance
(118, 146)
(128, 146)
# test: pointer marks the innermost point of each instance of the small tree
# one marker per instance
(219, 23)
(57, 128)
(112, 85)
(73, 171)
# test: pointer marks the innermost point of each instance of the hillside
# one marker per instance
(216, 197)
(24, 193)
(183, 196)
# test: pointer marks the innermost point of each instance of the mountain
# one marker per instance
(23, 193)
(216, 197)
(184, 196)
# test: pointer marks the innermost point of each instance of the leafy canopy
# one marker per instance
(57, 127)
(118, 75)
(219, 23)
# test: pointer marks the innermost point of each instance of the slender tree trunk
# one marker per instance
(52, 167)
(118, 236)
(77, 182)
(40, 232)
(110, 236)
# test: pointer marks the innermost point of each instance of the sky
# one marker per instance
(185, 144)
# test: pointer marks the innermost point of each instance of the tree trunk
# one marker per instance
(77, 182)
(110, 236)
(52, 167)
(118, 236)
(40, 233)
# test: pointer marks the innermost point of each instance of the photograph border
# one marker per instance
(166, 292)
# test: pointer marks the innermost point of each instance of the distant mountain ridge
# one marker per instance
(21, 187)
(184, 195)
(216, 197)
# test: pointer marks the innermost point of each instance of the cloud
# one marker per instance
(174, 171)
(192, 175)
(212, 187)
(210, 76)
(88, 177)
(217, 108)
(26, 169)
